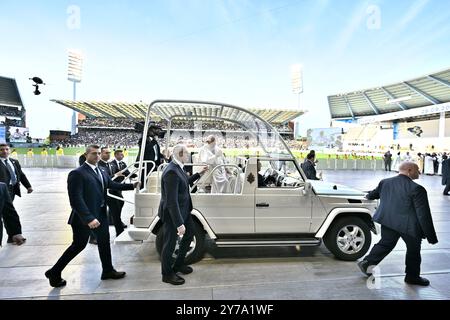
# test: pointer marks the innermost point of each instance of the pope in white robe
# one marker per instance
(212, 155)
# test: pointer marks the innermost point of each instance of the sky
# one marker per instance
(233, 51)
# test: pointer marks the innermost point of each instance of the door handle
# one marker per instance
(262, 205)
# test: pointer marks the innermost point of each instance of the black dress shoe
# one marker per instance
(124, 226)
(417, 281)
(183, 269)
(446, 194)
(55, 281)
(17, 239)
(173, 279)
(363, 265)
(113, 275)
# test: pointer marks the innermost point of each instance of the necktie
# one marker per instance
(97, 170)
(99, 175)
(11, 173)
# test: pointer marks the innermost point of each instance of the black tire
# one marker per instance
(357, 248)
(192, 256)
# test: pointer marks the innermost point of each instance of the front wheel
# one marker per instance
(348, 238)
(196, 249)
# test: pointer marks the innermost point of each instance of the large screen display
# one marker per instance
(324, 138)
(17, 134)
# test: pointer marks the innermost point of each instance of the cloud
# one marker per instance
(412, 13)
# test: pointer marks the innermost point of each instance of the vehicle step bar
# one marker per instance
(267, 243)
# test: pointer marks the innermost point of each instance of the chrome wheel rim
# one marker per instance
(350, 239)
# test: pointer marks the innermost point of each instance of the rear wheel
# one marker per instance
(348, 238)
(196, 250)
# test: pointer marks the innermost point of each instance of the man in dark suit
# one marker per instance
(175, 213)
(87, 194)
(105, 155)
(116, 205)
(82, 159)
(387, 157)
(309, 167)
(12, 175)
(404, 213)
(446, 175)
(7, 213)
(152, 151)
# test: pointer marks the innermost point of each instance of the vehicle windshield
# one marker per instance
(249, 134)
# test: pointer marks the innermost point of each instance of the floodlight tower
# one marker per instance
(297, 80)
(74, 75)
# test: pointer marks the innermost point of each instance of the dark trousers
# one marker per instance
(115, 210)
(387, 165)
(389, 239)
(80, 240)
(447, 188)
(170, 241)
(12, 222)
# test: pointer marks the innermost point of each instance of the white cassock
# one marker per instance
(407, 158)
(396, 164)
(440, 165)
(429, 169)
(218, 179)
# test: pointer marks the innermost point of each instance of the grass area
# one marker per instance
(133, 152)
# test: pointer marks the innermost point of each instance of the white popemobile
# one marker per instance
(285, 209)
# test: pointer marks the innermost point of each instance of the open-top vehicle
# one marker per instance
(286, 209)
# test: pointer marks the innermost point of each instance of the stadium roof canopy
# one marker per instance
(9, 93)
(433, 89)
(93, 109)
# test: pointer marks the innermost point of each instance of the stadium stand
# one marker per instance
(136, 111)
(397, 116)
(424, 91)
(113, 124)
(12, 111)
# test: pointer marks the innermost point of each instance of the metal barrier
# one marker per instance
(50, 161)
(53, 161)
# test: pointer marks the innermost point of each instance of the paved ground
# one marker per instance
(263, 273)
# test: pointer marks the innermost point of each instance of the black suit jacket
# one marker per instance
(106, 166)
(176, 202)
(309, 170)
(86, 194)
(82, 159)
(404, 207)
(8, 213)
(149, 154)
(116, 168)
(446, 172)
(5, 177)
